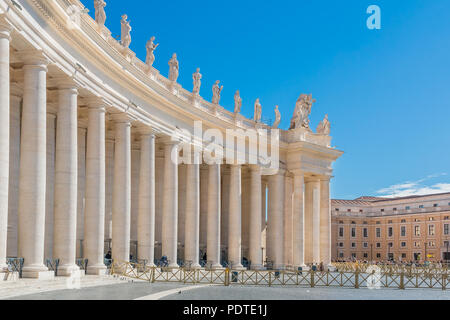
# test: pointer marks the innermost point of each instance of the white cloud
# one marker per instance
(415, 188)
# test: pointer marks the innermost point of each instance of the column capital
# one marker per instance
(5, 28)
(255, 168)
(63, 83)
(168, 140)
(298, 173)
(145, 130)
(35, 58)
(122, 117)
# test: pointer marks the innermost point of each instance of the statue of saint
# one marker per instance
(216, 92)
(324, 126)
(126, 31)
(302, 111)
(150, 51)
(258, 111)
(197, 77)
(100, 15)
(237, 102)
(276, 124)
(174, 68)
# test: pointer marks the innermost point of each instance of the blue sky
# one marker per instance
(387, 92)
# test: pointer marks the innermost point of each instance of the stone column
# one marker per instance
(275, 221)
(312, 195)
(234, 220)
(82, 132)
(288, 221)
(109, 182)
(192, 224)
(5, 31)
(50, 183)
(325, 222)
(66, 175)
(170, 203)
(146, 210)
(94, 217)
(255, 251)
(121, 216)
(213, 232)
(298, 244)
(14, 168)
(135, 172)
(33, 167)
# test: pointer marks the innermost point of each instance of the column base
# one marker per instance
(258, 267)
(99, 270)
(174, 266)
(40, 275)
(196, 266)
(238, 267)
(303, 266)
(3, 268)
(217, 266)
(330, 268)
(279, 267)
(69, 271)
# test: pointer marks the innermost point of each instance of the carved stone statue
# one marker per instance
(258, 111)
(324, 126)
(174, 68)
(150, 49)
(100, 15)
(237, 102)
(276, 124)
(197, 77)
(302, 111)
(126, 31)
(216, 92)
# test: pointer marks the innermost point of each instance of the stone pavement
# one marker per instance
(10, 289)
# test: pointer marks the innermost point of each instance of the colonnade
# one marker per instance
(66, 186)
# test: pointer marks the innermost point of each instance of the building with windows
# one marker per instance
(415, 228)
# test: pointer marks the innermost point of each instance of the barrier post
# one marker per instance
(357, 280)
(402, 281)
(312, 279)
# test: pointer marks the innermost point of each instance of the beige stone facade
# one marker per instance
(402, 229)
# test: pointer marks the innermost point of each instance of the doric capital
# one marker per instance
(5, 28)
(145, 130)
(95, 103)
(34, 57)
(122, 117)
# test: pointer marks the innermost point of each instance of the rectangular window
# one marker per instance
(403, 255)
(378, 232)
(417, 231)
(341, 232)
(365, 233)
(446, 229)
(366, 245)
(431, 230)
(354, 255)
(365, 255)
(403, 231)
(403, 244)
(421, 206)
(378, 255)
(390, 232)
(341, 254)
(353, 245)
(378, 245)
(353, 232)
(408, 208)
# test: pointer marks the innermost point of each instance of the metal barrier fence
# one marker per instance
(15, 265)
(397, 268)
(227, 277)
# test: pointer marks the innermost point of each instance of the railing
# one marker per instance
(387, 268)
(82, 264)
(375, 278)
(15, 265)
(52, 265)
